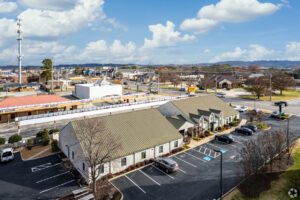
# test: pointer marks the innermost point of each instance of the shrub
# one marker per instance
(14, 138)
(185, 146)
(51, 131)
(261, 125)
(29, 144)
(54, 146)
(196, 138)
(2, 141)
(44, 135)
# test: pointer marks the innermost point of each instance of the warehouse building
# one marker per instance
(100, 89)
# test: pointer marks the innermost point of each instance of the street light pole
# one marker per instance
(221, 173)
(288, 139)
(270, 86)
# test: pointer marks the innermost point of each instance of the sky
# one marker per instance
(150, 31)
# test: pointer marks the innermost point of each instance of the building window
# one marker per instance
(101, 169)
(176, 144)
(161, 149)
(73, 155)
(83, 167)
(123, 162)
(144, 155)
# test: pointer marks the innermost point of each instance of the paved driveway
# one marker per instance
(43, 178)
(198, 177)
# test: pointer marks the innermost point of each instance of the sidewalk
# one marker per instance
(207, 139)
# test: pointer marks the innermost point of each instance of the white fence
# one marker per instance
(81, 113)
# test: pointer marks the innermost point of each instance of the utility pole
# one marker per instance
(19, 39)
(270, 86)
(52, 72)
(288, 139)
(216, 79)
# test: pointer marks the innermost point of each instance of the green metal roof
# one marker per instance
(136, 131)
(204, 103)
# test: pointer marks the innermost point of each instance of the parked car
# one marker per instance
(182, 89)
(242, 109)
(244, 131)
(236, 107)
(220, 95)
(7, 154)
(224, 138)
(252, 127)
(167, 164)
(277, 114)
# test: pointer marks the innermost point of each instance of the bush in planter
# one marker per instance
(14, 138)
(2, 141)
(44, 135)
(29, 144)
(53, 131)
(54, 146)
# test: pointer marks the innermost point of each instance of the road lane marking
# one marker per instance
(150, 177)
(185, 162)
(43, 191)
(135, 184)
(43, 166)
(194, 156)
(52, 177)
(163, 172)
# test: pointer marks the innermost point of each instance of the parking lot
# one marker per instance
(198, 174)
(44, 178)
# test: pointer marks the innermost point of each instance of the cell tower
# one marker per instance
(19, 39)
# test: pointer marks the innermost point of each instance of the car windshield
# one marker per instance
(6, 154)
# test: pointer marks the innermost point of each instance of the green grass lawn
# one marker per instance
(280, 187)
(287, 95)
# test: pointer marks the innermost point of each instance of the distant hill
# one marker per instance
(262, 63)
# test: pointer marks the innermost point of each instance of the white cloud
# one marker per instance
(57, 23)
(35, 51)
(227, 11)
(253, 52)
(101, 51)
(7, 6)
(165, 36)
(293, 50)
(49, 4)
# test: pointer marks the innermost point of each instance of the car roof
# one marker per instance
(169, 160)
(7, 150)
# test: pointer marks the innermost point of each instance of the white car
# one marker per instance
(237, 108)
(7, 154)
(243, 109)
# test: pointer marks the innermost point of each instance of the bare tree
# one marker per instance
(98, 144)
(282, 81)
(257, 86)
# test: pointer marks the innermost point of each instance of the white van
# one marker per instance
(7, 154)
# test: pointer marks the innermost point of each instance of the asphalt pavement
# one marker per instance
(199, 170)
(43, 178)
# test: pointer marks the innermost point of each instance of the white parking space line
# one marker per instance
(204, 151)
(135, 184)
(52, 177)
(182, 170)
(57, 186)
(194, 156)
(213, 145)
(185, 162)
(163, 172)
(149, 177)
(44, 166)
